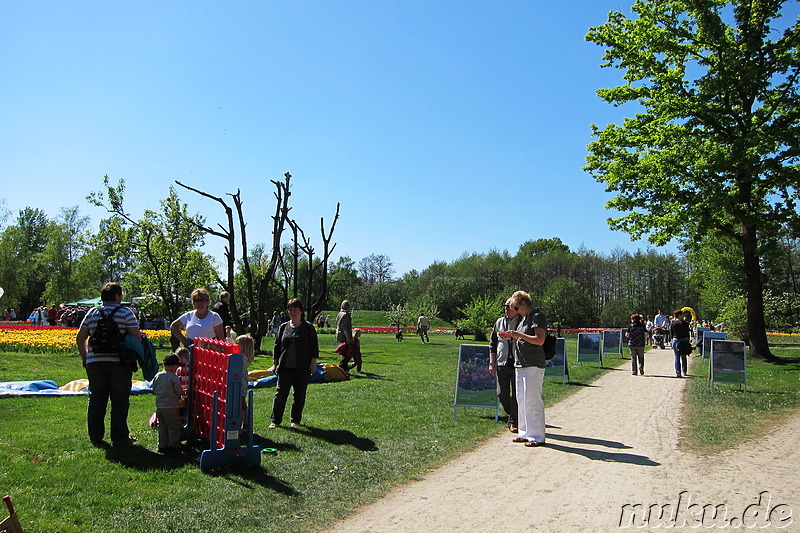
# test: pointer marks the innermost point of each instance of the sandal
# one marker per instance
(534, 444)
(519, 439)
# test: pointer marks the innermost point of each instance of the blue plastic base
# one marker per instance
(211, 459)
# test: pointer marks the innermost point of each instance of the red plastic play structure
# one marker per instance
(214, 405)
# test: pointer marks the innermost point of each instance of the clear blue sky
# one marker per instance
(442, 127)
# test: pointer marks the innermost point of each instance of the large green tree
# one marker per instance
(715, 141)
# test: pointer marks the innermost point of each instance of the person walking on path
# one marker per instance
(637, 338)
(109, 379)
(501, 363)
(680, 331)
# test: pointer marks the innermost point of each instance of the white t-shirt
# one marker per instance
(196, 327)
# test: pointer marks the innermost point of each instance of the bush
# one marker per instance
(481, 314)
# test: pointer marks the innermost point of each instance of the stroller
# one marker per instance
(659, 335)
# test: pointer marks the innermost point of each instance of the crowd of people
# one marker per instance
(517, 358)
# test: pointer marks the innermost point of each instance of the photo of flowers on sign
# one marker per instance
(475, 386)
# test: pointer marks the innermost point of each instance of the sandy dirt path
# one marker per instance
(610, 445)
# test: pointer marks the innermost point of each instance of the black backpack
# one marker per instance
(549, 346)
(107, 336)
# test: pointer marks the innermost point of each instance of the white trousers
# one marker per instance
(530, 419)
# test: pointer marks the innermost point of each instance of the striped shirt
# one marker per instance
(124, 318)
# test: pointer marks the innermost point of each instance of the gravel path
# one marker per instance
(610, 445)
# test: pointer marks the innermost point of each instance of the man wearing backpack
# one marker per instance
(109, 377)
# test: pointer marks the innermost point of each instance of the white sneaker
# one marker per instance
(272, 426)
(292, 425)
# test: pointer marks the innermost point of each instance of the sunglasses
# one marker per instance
(200, 300)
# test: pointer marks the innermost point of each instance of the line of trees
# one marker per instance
(49, 261)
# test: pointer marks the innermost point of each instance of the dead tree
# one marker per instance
(256, 285)
(229, 235)
(314, 307)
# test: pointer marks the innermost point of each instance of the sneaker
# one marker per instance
(293, 425)
(272, 426)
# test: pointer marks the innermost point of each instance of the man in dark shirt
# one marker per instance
(222, 309)
(637, 338)
(680, 331)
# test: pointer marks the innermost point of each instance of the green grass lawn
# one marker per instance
(728, 416)
(363, 436)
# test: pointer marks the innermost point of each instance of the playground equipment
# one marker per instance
(214, 405)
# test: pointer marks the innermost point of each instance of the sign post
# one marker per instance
(475, 386)
(590, 348)
(557, 366)
(612, 341)
(728, 363)
(707, 339)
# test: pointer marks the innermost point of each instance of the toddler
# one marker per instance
(247, 349)
(167, 388)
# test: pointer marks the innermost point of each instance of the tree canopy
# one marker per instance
(713, 147)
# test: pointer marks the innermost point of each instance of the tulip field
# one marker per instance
(40, 339)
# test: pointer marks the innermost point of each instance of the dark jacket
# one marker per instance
(305, 343)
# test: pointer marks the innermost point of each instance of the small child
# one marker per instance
(183, 370)
(355, 349)
(350, 351)
(167, 388)
(247, 349)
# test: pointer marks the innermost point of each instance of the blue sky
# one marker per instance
(442, 127)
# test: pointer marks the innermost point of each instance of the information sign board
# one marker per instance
(475, 386)
(728, 362)
(557, 366)
(612, 341)
(589, 348)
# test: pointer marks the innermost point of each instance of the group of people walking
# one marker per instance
(677, 328)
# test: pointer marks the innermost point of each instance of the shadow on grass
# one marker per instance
(248, 477)
(140, 458)
(369, 375)
(338, 437)
(263, 442)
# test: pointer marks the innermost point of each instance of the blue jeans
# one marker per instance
(680, 360)
(108, 381)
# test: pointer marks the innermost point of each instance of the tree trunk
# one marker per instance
(756, 324)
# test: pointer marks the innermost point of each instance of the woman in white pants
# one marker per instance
(530, 363)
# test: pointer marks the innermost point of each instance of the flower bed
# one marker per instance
(27, 338)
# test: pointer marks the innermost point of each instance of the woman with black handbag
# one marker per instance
(681, 345)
